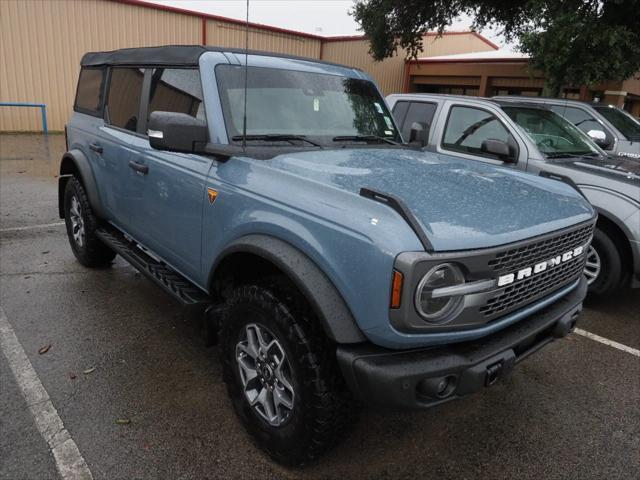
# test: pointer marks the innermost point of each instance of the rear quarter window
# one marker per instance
(89, 91)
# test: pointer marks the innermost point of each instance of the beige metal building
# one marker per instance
(42, 41)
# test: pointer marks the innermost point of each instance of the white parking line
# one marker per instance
(606, 341)
(32, 227)
(69, 461)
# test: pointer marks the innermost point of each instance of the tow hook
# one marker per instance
(493, 373)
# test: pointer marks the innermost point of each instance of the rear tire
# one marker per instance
(610, 271)
(81, 225)
(319, 408)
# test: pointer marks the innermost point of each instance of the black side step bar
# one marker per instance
(171, 281)
(399, 206)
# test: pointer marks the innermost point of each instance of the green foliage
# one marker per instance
(573, 42)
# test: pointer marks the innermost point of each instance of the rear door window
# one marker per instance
(89, 91)
(176, 90)
(468, 127)
(420, 112)
(123, 98)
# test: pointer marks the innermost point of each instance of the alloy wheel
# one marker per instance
(265, 374)
(593, 266)
(77, 223)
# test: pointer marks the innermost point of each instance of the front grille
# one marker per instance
(528, 255)
(531, 288)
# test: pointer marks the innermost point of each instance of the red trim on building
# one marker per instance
(471, 60)
(204, 30)
(342, 38)
(486, 40)
(468, 32)
(207, 16)
(584, 93)
(406, 78)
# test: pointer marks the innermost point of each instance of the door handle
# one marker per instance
(95, 147)
(139, 167)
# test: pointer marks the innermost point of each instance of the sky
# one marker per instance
(320, 17)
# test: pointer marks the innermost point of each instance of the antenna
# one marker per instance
(246, 75)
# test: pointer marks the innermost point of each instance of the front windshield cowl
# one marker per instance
(302, 107)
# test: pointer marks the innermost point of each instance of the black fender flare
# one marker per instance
(325, 299)
(81, 167)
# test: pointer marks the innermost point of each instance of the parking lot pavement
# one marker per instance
(570, 411)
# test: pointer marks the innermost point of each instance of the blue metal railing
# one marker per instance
(41, 106)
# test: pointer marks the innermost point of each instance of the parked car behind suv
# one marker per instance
(613, 129)
(334, 263)
(531, 137)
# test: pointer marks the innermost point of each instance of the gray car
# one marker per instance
(613, 129)
(531, 137)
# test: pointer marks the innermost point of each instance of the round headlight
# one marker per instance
(438, 308)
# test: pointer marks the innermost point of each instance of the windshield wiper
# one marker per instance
(275, 137)
(569, 154)
(363, 138)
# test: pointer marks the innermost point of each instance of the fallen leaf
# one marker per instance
(44, 349)
(123, 421)
(89, 370)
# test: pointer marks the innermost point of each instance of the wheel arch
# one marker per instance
(75, 164)
(253, 256)
(620, 237)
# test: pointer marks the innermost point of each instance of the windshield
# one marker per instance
(620, 119)
(318, 107)
(553, 135)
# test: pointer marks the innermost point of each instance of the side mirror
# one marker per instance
(599, 137)
(177, 132)
(419, 134)
(498, 148)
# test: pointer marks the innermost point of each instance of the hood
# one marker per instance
(461, 204)
(614, 167)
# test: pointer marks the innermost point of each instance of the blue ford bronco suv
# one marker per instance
(335, 265)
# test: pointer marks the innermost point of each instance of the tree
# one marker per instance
(573, 42)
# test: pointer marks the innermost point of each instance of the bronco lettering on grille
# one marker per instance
(540, 267)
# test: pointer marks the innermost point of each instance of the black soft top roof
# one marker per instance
(179, 55)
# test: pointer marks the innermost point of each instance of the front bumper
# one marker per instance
(426, 377)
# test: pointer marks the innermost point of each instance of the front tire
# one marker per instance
(604, 265)
(81, 225)
(282, 375)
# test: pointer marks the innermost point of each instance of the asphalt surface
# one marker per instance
(570, 411)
